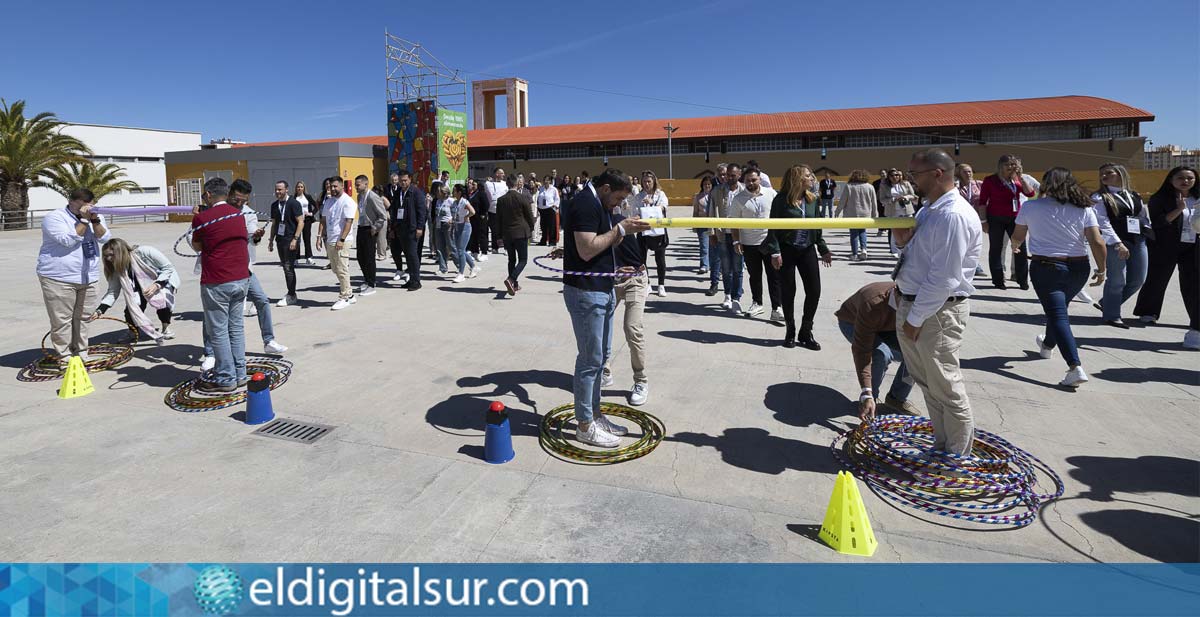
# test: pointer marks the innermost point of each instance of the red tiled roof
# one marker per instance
(937, 115)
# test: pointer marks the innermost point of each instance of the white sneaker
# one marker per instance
(397, 276)
(167, 333)
(160, 341)
(736, 306)
(339, 305)
(458, 279)
(482, 258)
(727, 303)
(474, 272)
(367, 291)
(1044, 351)
(1191, 340)
(777, 314)
(207, 363)
(308, 261)
(1075, 378)
(273, 346)
(249, 310)
(640, 393)
(895, 254)
(662, 291)
(1148, 319)
(352, 299)
(863, 256)
(282, 301)
(612, 427)
(595, 435)
(755, 309)
(606, 380)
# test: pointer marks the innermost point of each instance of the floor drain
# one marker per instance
(294, 430)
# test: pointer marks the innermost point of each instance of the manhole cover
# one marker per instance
(294, 430)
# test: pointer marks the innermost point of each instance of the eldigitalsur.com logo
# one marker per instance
(219, 590)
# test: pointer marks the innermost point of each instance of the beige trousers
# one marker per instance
(339, 262)
(633, 292)
(66, 304)
(932, 361)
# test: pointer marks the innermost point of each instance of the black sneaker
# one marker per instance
(712, 291)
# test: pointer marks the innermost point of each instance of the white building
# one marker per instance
(1171, 156)
(140, 152)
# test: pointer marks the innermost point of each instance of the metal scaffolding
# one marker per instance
(415, 74)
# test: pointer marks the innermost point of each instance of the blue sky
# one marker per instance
(269, 70)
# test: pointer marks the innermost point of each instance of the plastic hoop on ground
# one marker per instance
(188, 398)
(554, 441)
(101, 357)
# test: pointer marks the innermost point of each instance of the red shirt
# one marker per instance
(999, 199)
(224, 256)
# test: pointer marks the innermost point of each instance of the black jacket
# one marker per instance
(515, 210)
(416, 210)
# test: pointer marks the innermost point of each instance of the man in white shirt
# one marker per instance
(720, 200)
(755, 203)
(337, 220)
(934, 281)
(494, 189)
(68, 268)
(548, 201)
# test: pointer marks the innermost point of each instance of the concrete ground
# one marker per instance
(744, 475)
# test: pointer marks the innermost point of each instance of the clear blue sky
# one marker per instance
(267, 70)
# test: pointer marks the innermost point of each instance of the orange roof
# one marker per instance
(1012, 111)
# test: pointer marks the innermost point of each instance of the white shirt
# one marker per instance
(304, 204)
(1187, 232)
(747, 205)
(337, 212)
(458, 210)
(494, 191)
(652, 207)
(1106, 228)
(940, 260)
(764, 179)
(1056, 229)
(548, 198)
(61, 257)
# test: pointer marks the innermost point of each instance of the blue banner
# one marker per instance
(599, 589)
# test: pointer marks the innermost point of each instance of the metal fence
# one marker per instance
(24, 219)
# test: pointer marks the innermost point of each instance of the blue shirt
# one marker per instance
(62, 255)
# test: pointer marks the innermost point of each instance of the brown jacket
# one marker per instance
(515, 210)
(869, 312)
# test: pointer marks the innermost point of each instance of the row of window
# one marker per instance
(145, 190)
(125, 159)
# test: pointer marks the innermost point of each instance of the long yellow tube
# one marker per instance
(815, 223)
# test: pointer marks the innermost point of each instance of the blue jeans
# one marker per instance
(887, 350)
(592, 320)
(826, 209)
(702, 238)
(462, 233)
(262, 304)
(1056, 283)
(223, 321)
(731, 268)
(714, 259)
(1125, 277)
(441, 245)
(858, 241)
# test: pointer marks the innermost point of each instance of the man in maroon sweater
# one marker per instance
(224, 279)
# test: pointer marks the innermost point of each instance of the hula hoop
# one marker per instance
(538, 261)
(102, 357)
(189, 398)
(189, 232)
(554, 442)
(985, 487)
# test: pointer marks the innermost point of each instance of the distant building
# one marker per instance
(1171, 156)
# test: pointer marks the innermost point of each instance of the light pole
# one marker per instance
(670, 162)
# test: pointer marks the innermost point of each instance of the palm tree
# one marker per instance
(29, 147)
(100, 179)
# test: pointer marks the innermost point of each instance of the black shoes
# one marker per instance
(789, 339)
(807, 341)
(1117, 323)
(413, 286)
(712, 291)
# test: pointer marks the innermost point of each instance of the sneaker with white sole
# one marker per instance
(736, 306)
(595, 435)
(368, 291)
(397, 276)
(458, 279)
(474, 272)
(639, 394)
(273, 346)
(482, 258)
(309, 262)
(727, 302)
(777, 314)
(1043, 351)
(612, 427)
(606, 380)
(755, 309)
(352, 299)
(249, 311)
(283, 301)
(167, 333)
(340, 304)
(1075, 378)
(207, 363)
(1148, 319)
(662, 291)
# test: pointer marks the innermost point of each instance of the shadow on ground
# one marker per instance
(757, 450)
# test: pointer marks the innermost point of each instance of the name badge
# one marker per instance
(399, 214)
(1133, 225)
(1189, 234)
(89, 249)
(1016, 204)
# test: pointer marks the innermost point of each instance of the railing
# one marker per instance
(16, 219)
(25, 219)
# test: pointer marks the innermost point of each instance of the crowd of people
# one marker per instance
(1056, 234)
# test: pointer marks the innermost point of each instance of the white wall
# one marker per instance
(139, 151)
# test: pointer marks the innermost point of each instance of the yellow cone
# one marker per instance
(846, 528)
(76, 382)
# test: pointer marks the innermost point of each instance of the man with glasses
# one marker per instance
(933, 282)
(68, 268)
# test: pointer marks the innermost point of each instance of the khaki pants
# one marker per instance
(339, 262)
(633, 292)
(932, 361)
(66, 304)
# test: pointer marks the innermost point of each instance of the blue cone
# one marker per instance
(497, 438)
(258, 400)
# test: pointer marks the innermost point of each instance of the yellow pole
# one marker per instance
(815, 223)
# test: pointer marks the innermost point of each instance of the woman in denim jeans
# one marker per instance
(1060, 227)
(441, 243)
(1123, 218)
(700, 210)
(461, 212)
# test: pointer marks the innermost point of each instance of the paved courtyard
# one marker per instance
(744, 474)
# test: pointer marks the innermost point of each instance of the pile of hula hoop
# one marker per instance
(997, 484)
(101, 357)
(555, 442)
(189, 398)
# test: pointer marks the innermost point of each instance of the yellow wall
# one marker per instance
(177, 171)
(351, 166)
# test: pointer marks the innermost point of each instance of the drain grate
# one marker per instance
(294, 430)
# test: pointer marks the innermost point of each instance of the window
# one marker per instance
(1107, 131)
(647, 149)
(558, 152)
(882, 140)
(189, 190)
(145, 190)
(1053, 132)
(758, 144)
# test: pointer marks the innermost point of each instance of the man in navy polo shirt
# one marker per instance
(589, 238)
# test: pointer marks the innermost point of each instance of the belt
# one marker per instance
(1059, 260)
(913, 298)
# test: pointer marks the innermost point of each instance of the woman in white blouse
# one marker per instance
(898, 198)
(651, 203)
(1122, 218)
(1060, 226)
